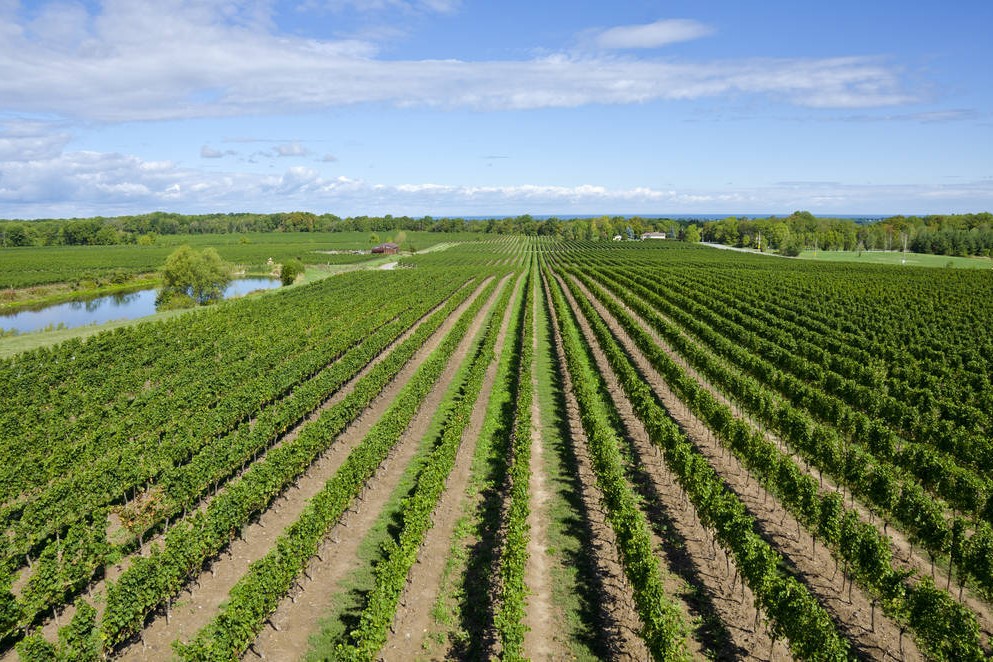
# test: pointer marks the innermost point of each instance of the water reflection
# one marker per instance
(122, 305)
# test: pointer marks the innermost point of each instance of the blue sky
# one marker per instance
(460, 107)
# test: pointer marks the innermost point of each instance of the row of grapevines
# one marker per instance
(121, 471)
(185, 483)
(662, 620)
(895, 496)
(79, 412)
(257, 594)
(64, 567)
(825, 395)
(793, 612)
(934, 353)
(924, 414)
(943, 628)
(509, 618)
(126, 467)
(150, 580)
(392, 571)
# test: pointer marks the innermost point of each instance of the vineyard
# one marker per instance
(518, 448)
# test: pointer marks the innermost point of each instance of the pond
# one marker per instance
(125, 305)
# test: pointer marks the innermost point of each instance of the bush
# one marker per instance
(289, 272)
(791, 247)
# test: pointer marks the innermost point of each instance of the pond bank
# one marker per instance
(37, 296)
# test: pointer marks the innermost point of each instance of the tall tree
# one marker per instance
(193, 278)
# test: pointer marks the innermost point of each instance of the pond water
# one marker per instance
(127, 305)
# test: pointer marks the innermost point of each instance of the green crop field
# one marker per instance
(26, 266)
(512, 448)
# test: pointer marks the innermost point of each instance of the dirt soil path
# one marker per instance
(695, 557)
(542, 641)
(780, 528)
(618, 613)
(201, 599)
(905, 556)
(298, 616)
(413, 618)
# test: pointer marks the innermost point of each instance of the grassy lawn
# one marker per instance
(897, 258)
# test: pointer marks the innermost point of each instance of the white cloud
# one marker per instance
(207, 152)
(30, 141)
(290, 149)
(144, 60)
(651, 35)
(87, 183)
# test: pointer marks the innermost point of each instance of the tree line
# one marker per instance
(954, 234)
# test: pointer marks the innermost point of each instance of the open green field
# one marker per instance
(514, 448)
(26, 266)
(898, 258)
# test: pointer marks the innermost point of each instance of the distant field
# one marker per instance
(22, 267)
(892, 257)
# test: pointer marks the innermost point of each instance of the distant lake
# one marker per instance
(125, 305)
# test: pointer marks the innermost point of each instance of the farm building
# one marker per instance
(389, 248)
(653, 235)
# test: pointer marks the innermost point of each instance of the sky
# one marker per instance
(472, 108)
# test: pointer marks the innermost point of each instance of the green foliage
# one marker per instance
(692, 234)
(80, 640)
(44, 264)
(257, 594)
(391, 573)
(35, 648)
(942, 625)
(791, 247)
(793, 611)
(290, 270)
(192, 276)
(10, 611)
(510, 615)
(662, 620)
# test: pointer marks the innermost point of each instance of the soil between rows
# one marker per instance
(542, 618)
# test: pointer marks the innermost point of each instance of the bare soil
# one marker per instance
(543, 620)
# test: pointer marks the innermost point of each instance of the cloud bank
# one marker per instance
(85, 183)
(170, 59)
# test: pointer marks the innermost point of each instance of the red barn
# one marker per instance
(389, 248)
